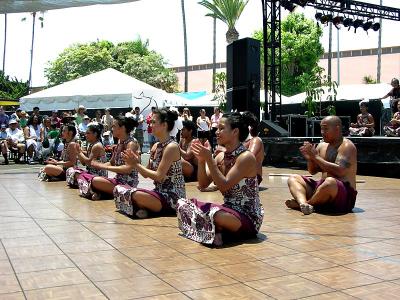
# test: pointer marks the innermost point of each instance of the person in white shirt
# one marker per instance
(138, 134)
(14, 139)
(32, 137)
(203, 124)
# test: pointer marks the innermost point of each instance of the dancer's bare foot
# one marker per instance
(293, 204)
(96, 196)
(306, 208)
(211, 188)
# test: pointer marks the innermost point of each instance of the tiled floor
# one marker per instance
(56, 245)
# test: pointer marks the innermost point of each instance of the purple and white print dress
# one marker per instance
(168, 191)
(196, 218)
(131, 179)
(73, 171)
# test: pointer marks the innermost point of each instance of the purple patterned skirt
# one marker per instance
(124, 202)
(196, 221)
(72, 174)
(85, 184)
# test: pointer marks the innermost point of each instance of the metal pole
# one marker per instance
(33, 39)
(5, 43)
(266, 75)
(330, 53)
(338, 56)
(378, 71)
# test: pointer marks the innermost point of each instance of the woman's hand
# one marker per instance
(51, 161)
(202, 153)
(130, 158)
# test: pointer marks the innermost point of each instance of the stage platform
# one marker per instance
(377, 156)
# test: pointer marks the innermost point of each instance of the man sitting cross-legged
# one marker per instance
(336, 158)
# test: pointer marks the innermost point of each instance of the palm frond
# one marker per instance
(228, 11)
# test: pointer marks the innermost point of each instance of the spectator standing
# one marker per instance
(55, 119)
(80, 114)
(214, 125)
(203, 124)
(138, 134)
(151, 137)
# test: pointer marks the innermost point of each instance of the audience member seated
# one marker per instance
(23, 120)
(98, 187)
(4, 118)
(55, 170)
(46, 150)
(164, 167)
(254, 143)
(393, 129)
(186, 114)
(32, 138)
(55, 120)
(189, 162)
(336, 158)
(80, 114)
(12, 139)
(95, 152)
(365, 122)
(235, 173)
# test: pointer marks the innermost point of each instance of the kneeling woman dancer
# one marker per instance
(95, 152)
(55, 170)
(235, 174)
(97, 187)
(165, 168)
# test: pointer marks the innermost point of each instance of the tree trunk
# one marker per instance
(5, 43)
(33, 39)
(378, 71)
(185, 44)
(214, 69)
(232, 35)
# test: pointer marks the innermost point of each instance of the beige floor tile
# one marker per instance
(13, 296)
(307, 245)
(345, 255)
(36, 251)
(174, 296)
(170, 264)
(266, 250)
(132, 242)
(249, 271)
(136, 287)
(34, 264)
(221, 257)
(196, 279)
(116, 270)
(81, 291)
(147, 252)
(384, 290)
(288, 287)
(69, 237)
(339, 278)
(5, 267)
(236, 291)
(3, 254)
(82, 247)
(26, 241)
(51, 278)
(386, 268)
(299, 263)
(331, 296)
(9, 284)
(98, 258)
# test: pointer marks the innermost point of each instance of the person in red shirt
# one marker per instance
(151, 138)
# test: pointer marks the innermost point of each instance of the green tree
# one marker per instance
(132, 58)
(12, 88)
(301, 51)
(80, 60)
(228, 11)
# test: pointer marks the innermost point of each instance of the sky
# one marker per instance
(159, 21)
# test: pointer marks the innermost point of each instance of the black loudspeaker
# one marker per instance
(270, 129)
(243, 76)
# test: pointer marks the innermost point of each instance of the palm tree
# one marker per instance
(33, 39)
(214, 69)
(228, 11)
(185, 43)
(5, 43)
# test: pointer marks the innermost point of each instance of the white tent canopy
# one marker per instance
(107, 88)
(349, 92)
(19, 6)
